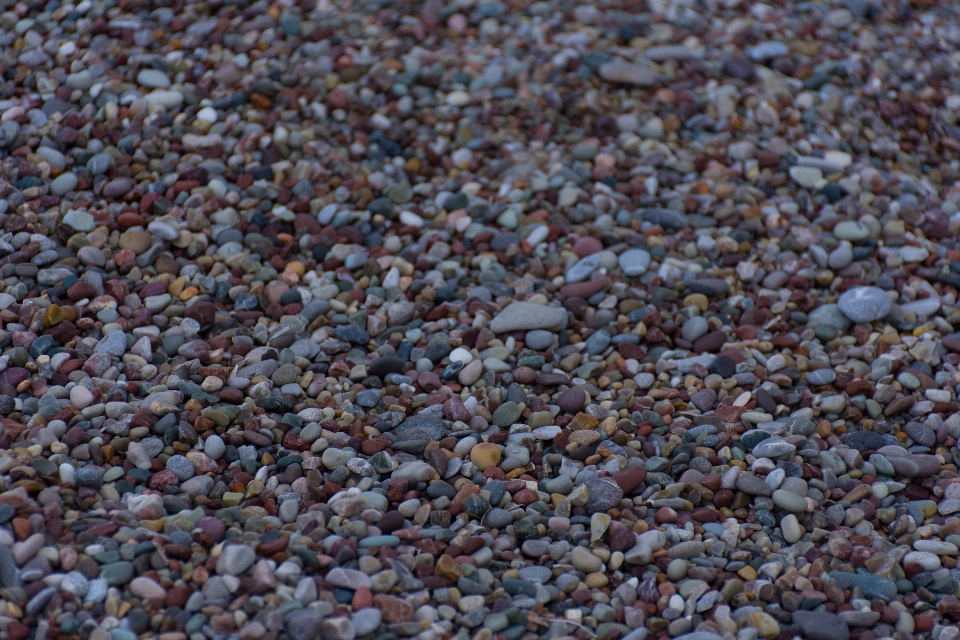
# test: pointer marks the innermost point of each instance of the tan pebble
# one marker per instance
(697, 300)
(485, 455)
(596, 580)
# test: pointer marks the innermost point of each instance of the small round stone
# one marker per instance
(792, 530)
(181, 467)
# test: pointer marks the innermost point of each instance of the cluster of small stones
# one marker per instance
(485, 320)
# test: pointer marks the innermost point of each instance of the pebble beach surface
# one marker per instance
(483, 320)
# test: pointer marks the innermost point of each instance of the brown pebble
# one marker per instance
(584, 289)
(572, 400)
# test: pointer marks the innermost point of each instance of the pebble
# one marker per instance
(235, 559)
(64, 184)
(527, 316)
(538, 339)
(153, 78)
(621, 71)
(765, 51)
(792, 530)
(807, 177)
(821, 625)
(789, 501)
(821, 377)
(634, 262)
(865, 304)
(852, 231)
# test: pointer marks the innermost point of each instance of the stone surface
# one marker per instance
(865, 304)
(435, 320)
(525, 316)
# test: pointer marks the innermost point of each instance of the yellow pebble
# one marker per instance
(697, 300)
(596, 580)
(177, 286)
(153, 525)
(52, 315)
(747, 573)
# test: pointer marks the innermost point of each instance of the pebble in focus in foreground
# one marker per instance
(479, 320)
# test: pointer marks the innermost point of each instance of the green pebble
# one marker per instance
(379, 541)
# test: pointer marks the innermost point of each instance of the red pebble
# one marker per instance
(362, 599)
(129, 219)
(587, 246)
(923, 623)
(17, 630)
(163, 479)
(666, 515)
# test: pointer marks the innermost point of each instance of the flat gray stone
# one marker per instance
(806, 177)
(366, 621)
(764, 51)
(695, 327)
(624, 72)
(421, 427)
(78, 219)
(865, 304)
(348, 578)
(526, 316)
(686, 550)
(922, 308)
(114, 344)
(538, 339)
(634, 262)
(662, 53)
(851, 230)
(153, 78)
(304, 624)
(821, 376)
(235, 559)
(710, 286)
(583, 269)
(872, 586)
(828, 315)
(774, 448)
(64, 184)
(667, 218)
(822, 625)
(753, 486)
(789, 500)
(602, 496)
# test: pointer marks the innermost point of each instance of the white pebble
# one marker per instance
(411, 219)
(80, 397)
(209, 114)
(461, 355)
(458, 98)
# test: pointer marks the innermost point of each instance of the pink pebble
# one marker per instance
(457, 23)
(587, 246)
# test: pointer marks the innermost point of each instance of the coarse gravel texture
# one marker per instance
(479, 320)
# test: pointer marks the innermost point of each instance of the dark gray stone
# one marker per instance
(863, 440)
(821, 625)
(421, 427)
(351, 333)
(602, 495)
(667, 218)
